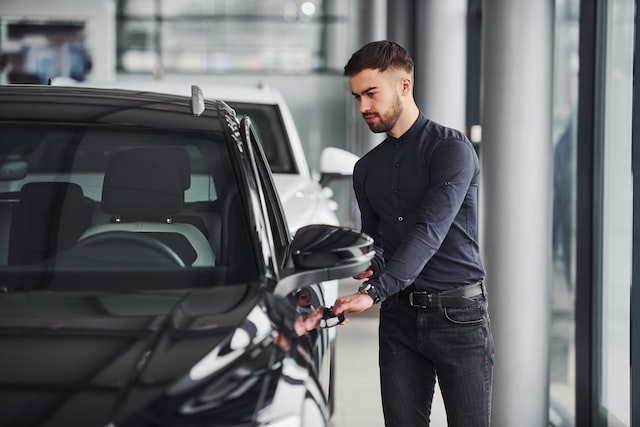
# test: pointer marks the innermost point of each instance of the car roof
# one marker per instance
(102, 105)
(230, 93)
(260, 93)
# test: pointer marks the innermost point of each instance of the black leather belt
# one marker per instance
(455, 298)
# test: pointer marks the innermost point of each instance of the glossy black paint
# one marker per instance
(111, 343)
(324, 246)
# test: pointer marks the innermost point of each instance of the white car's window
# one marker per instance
(267, 123)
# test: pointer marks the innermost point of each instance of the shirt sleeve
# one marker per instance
(452, 168)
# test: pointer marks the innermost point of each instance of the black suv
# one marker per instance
(147, 273)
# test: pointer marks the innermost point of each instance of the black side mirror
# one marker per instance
(322, 252)
(324, 246)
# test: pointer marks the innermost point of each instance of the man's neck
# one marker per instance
(406, 120)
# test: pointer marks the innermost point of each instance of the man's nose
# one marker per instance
(364, 106)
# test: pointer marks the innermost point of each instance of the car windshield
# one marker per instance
(267, 123)
(90, 206)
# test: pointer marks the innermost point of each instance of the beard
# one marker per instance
(388, 119)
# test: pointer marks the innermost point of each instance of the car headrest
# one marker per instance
(183, 162)
(143, 183)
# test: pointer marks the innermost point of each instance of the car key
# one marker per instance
(330, 319)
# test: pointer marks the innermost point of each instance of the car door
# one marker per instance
(308, 297)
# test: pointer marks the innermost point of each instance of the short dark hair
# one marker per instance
(379, 55)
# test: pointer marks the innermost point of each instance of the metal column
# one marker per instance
(516, 157)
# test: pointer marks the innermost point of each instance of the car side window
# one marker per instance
(269, 128)
(277, 221)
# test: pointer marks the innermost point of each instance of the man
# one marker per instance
(417, 193)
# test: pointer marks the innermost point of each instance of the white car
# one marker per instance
(304, 199)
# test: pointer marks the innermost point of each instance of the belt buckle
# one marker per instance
(429, 300)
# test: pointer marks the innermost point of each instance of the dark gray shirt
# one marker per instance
(418, 198)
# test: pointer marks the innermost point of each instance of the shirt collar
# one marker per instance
(413, 130)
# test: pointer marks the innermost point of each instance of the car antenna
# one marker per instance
(197, 100)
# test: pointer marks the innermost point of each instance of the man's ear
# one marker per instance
(406, 85)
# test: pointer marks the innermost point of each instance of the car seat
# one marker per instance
(143, 189)
(49, 218)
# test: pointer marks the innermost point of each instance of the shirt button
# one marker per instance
(400, 219)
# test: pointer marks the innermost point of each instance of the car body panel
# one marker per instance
(117, 331)
(304, 197)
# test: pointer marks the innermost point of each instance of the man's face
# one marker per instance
(378, 96)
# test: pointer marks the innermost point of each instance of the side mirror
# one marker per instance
(322, 252)
(325, 246)
(336, 163)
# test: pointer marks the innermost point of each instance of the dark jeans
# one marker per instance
(416, 345)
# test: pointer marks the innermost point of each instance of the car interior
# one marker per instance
(76, 200)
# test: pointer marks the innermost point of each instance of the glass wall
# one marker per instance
(565, 104)
(612, 205)
(616, 215)
(221, 36)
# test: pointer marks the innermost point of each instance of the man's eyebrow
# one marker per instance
(369, 89)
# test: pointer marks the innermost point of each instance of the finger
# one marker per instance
(314, 318)
(340, 307)
(304, 324)
(364, 275)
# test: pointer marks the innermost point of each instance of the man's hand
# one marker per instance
(304, 324)
(364, 275)
(354, 303)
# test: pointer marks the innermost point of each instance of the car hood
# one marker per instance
(304, 202)
(95, 357)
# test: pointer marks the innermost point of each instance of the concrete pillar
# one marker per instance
(401, 20)
(369, 17)
(516, 156)
(336, 35)
(440, 57)
(373, 22)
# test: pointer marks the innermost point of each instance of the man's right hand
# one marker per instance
(352, 304)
